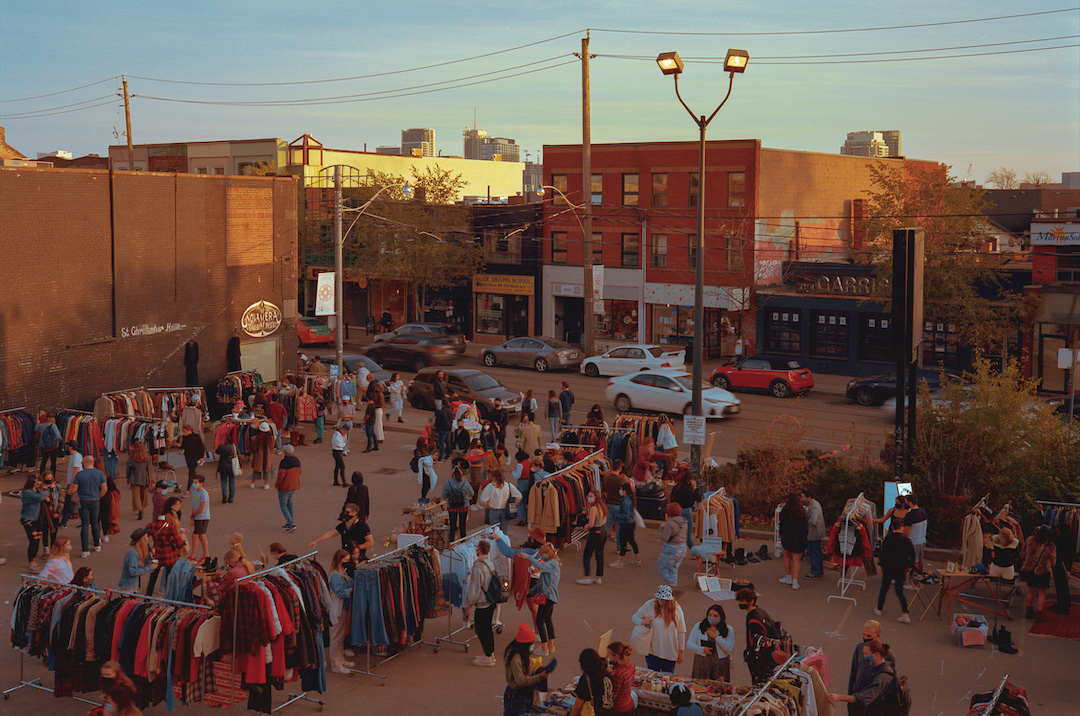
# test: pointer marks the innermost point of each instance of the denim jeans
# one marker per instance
(90, 514)
(657, 664)
(498, 517)
(610, 517)
(367, 619)
(228, 485)
(688, 513)
(817, 566)
(369, 431)
(285, 503)
(445, 444)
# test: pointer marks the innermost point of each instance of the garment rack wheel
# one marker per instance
(498, 629)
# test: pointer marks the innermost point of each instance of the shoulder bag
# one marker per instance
(237, 472)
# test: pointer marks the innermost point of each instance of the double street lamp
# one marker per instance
(671, 64)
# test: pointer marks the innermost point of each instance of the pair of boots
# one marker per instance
(1002, 639)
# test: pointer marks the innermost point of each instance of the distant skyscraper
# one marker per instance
(881, 143)
(422, 139)
(387, 149)
(478, 145)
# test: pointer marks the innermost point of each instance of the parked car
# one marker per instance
(447, 330)
(543, 354)
(879, 388)
(668, 391)
(311, 330)
(777, 375)
(470, 384)
(630, 359)
(352, 362)
(413, 350)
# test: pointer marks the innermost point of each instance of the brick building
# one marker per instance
(109, 274)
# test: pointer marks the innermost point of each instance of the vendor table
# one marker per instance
(428, 520)
(954, 584)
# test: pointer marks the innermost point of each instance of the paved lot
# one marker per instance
(421, 681)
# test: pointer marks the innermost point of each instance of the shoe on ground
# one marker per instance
(400, 420)
(139, 516)
(291, 528)
(266, 486)
(616, 564)
(104, 538)
(223, 501)
(586, 580)
(341, 670)
(350, 653)
(814, 576)
(230, 500)
(97, 548)
(348, 664)
(597, 580)
(877, 611)
(904, 619)
(786, 579)
(85, 555)
(484, 661)
(252, 486)
(794, 584)
(637, 562)
(1040, 617)
(1007, 649)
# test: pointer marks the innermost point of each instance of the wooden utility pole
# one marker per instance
(588, 324)
(127, 121)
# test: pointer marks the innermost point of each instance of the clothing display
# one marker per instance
(237, 385)
(456, 563)
(852, 538)
(392, 596)
(557, 501)
(717, 515)
(16, 438)
(83, 429)
(149, 402)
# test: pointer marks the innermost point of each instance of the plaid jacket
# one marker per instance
(167, 542)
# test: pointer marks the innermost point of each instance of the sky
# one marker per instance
(965, 89)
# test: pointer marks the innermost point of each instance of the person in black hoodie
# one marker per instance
(897, 557)
(444, 431)
(1065, 539)
(758, 624)
(873, 697)
(862, 672)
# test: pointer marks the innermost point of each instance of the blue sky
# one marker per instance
(1001, 108)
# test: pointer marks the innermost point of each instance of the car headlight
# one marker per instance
(851, 383)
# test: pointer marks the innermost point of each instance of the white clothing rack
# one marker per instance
(846, 581)
(451, 631)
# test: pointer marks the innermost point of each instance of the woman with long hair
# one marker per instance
(138, 476)
(546, 593)
(138, 560)
(121, 699)
(49, 520)
(340, 600)
(596, 537)
(793, 538)
(109, 513)
(169, 541)
(665, 616)
(397, 395)
(554, 414)
(594, 686)
(624, 525)
(84, 577)
(457, 492)
(521, 680)
(58, 568)
(475, 456)
(1039, 555)
(425, 466)
(528, 405)
(711, 641)
(623, 672)
(33, 497)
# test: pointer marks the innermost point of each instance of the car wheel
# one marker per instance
(490, 360)
(418, 402)
(864, 396)
(780, 389)
(591, 370)
(622, 403)
(721, 381)
(541, 365)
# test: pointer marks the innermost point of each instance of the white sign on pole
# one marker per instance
(693, 429)
(1065, 358)
(598, 288)
(324, 294)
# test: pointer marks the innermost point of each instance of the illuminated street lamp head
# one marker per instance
(670, 63)
(407, 190)
(735, 61)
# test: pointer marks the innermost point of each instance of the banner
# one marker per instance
(324, 295)
(598, 288)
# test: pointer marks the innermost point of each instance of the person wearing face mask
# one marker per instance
(120, 700)
(488, 438)
(596, 537)
(711, 641)
(495, 496)
(758, 624)
(874, 695)
(861, 672)
(624, 524)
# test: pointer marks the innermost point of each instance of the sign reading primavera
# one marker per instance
(261, 319)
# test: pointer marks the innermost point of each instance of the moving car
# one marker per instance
(311, 330)
(413, 350)
(778, 375)
(543, 354)
(446, 330)
(875, 390)
(352, 362)
(668, 391)
(630, 359)
(469, 384)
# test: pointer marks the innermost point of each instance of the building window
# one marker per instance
(828, 334)
(940, 343)
(659, 250)
(693, 197)
(558, 247)
(659, 190)
(597, 248)
(1068, 264)
(503, 250)
(631, 251)
(597, 189)
(734, 253)
(782, 331)
(559, 182)
(630, 189)
(490, 310)
(618, 322)
(736, 190)
(691, 251)
(875, 338)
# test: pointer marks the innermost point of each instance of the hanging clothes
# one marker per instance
(393, 595)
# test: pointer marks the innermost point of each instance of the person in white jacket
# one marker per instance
(711, 641)
(665, 616)
(425, 467)
(479, 602)
(496, 496)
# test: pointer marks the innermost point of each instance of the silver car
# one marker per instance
(543, 354)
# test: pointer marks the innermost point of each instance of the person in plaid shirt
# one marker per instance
(170, 541)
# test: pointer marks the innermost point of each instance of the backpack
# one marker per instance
(456, 499)
(498, 589)
(414, 464)
(898, 700)
(50, 439)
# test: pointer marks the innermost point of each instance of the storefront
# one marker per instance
(503, 307)
(618, 308)
(671, 317)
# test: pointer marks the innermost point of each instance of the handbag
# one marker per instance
(512, 508)
(641, 638)
(639, 521)
(1028, 575)
(236, 471)
(587, 709)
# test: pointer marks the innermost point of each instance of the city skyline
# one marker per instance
(976, 91)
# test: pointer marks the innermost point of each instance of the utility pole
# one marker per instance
(127, 121)
(339, 283)
(586, 189)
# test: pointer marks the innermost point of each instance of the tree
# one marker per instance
(259, 169)
(1003, 178)
(962, 285)
(1038, 178)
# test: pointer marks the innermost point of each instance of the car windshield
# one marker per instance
(482, 381)
(687, 382)
(557, 345)
(656, 352)
(313, 322)
(370, 364)
(790, 365)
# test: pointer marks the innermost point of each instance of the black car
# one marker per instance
(469, 384)
(879, 388)
(413, 350)
(445, 330)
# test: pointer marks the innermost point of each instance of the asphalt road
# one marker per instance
(421, 681)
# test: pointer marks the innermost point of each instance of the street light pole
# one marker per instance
(671, 64)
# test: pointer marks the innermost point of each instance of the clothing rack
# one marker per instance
(989, 706)
(12, 410)
(236, 607)
(367, 670)
(845, 582)
(601, 428)
(765, 687)
(107, 593)
(1052, 503)
(450, 631)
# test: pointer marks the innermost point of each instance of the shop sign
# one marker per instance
(495, 283)
(261, 319)
(1055, 234)
(847, 285)
(566, 289)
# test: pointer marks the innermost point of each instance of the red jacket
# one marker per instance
(276, 412)
(288, 476)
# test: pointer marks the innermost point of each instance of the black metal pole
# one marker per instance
(902, 340)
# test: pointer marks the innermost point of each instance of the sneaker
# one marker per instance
(616, 564)
(284, 528)
(350, 653)
(348, 664)
(877, 611)
(266, 486)
(97, 548)
(252, 486)
(794, 584)
(904, 619)
(813, 576)
(341, 670)
(637, 562)
(786, 579)
(104, 538)
(540, 650)
(597, 580)
(85, 555)
(484, 661)
(585, 580)
(292, 528)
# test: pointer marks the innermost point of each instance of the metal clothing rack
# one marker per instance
(451, 632)
(765, 687)
(367, 670)
(1053, 503)
(845, 581)
(107, 593)
(989, 706)
(236, 607)
(12, 410)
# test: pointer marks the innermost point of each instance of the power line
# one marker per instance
(782, 33)
(53, 94)
(35, 115)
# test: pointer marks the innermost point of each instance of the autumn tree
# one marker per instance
(962, 285)
(1003, 178)
(1037, 178)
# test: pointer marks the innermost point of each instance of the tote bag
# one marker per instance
(641, 639)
